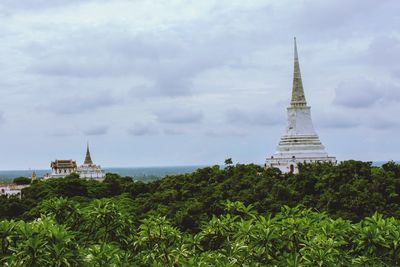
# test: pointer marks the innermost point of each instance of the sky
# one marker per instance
(167, 83)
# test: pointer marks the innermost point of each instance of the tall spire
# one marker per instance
(88, 159)
(298, 98)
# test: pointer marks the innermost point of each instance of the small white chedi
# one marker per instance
(89, 170)
(300, 143)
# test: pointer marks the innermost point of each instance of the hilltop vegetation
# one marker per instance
(351, 190)
(324, 214)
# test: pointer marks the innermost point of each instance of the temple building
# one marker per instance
(89, 170)
(12, 190)
(300, 143)
(61, 168)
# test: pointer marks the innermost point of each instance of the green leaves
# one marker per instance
(158, 241)
(42, 243)
(103, 255)
(64, 210)
(378, 237)
(106, 236)
(105, 221)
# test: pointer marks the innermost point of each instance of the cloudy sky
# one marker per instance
(155, 83)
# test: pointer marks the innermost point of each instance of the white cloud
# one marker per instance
(143, 130)
(357, 94)
(78, 104)
(96, 130)
(180, 115)
(260, 117)
(2, 118)
(363, 93)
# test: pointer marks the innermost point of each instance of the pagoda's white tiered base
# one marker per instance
(294, 149)
(91, 172)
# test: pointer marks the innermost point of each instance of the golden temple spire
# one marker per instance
(88, 158)
(298, 98)
(34, 177)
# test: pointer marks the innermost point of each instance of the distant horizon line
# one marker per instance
(185, 165)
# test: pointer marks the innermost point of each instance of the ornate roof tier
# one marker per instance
(63, 164)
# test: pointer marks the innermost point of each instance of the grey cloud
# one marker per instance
(253, 117)
(79, 104)
(96, 130)
(165, 64)
(335, 20)
(173, 86)
(339, 123)
(169, 60)
(143, 130)
(73, 67)
(356, 94)
(384, 52)
(336, 120)
(226, 132)
(390, 93)
(64, 132)
(8, 6)
(2, 118)
(115, 53)
(143, 46)
(383, 123)
(326, 13)
(179, 115)
(362, 93)
(174, 131)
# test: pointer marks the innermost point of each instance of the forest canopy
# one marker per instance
(238, 214)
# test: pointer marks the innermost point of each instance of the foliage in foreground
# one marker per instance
(351, 190)
(102, 234)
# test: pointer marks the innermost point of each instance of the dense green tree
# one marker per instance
(228, 161)
(22, 180)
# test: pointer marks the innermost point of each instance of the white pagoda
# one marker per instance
(300, 143)
(89, 170)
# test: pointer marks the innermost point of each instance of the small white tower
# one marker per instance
(89, 170)
(300, 143)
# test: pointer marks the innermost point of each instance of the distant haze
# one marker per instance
(158, 83)
(140, 174)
